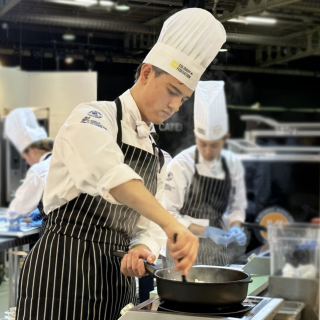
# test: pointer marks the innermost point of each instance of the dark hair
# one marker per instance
(158, 72)
(44, 144)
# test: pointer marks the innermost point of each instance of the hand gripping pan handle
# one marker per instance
(150, 268)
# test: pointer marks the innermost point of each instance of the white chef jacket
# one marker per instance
(181, 170)
(29, 194)
(87, 159)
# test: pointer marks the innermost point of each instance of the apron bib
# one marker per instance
(71, 273)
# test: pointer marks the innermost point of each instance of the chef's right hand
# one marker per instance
(219, 236)
(184, 251)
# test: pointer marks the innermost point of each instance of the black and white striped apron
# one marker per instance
(208, 198)
(71, 274)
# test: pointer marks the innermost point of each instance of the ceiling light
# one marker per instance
(107, 3)
(122, 5)
(78, 3)
(68, 60)
(101, 6)
(240, 19)
(261, 20)
(68, 35)
(4, 26)
(223, 50)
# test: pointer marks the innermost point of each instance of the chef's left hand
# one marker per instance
(132, 264)
(241, 237)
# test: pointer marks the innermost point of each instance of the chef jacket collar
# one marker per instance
(210, 164)
(136, 122)
(44, 156)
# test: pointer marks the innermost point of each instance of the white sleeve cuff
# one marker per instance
(238, 215)
(184, 221)
(150, 243)
(118, 175)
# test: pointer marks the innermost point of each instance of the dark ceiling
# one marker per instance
(31, 28)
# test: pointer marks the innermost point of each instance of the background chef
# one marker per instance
(31, 140)
(105, 173)
(205, 188)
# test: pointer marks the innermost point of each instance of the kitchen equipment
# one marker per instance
(280, 183)
(294, 249)
(259, 308)
(291, 310)
(220, 287)
(297, 289)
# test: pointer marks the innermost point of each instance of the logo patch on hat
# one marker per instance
(181, 68)
(202, 131)
(217, 129)
(95, 114)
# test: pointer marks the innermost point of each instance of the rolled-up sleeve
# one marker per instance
(92, 156)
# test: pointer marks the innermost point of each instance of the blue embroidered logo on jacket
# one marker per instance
(95, 114)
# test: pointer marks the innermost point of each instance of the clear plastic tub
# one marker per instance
(294, 250)
(290, 310)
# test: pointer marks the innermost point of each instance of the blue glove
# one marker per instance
(218, 235)
(35, 215)
(240, 236)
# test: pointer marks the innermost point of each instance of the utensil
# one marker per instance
(175, 236)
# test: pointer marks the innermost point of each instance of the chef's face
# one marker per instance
(209, 150)
(162, 95)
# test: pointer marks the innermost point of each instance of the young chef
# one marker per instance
(205, 187)
(104, 174)
(31, 140)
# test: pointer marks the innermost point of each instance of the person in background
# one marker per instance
(105, 173)
(205, 188)
(32, 142)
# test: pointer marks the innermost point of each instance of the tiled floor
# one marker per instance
(4, 298)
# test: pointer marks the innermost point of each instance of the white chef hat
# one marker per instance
(210, 111)
(22, 128)
(189, 41)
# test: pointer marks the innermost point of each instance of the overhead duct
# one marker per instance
(305, 6)
(79, 23)
(103, 25)
(267, 41)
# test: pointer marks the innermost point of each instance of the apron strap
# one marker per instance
(160, 155)
(119, 136)
(119, 118)
(40, 204)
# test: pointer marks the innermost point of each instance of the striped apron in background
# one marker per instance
(208, 198)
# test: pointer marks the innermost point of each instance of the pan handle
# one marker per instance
(150, 268)
(253, 226)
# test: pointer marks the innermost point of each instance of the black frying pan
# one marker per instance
(220, 286)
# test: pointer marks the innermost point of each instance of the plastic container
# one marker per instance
(294, 250)
(290, 310)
